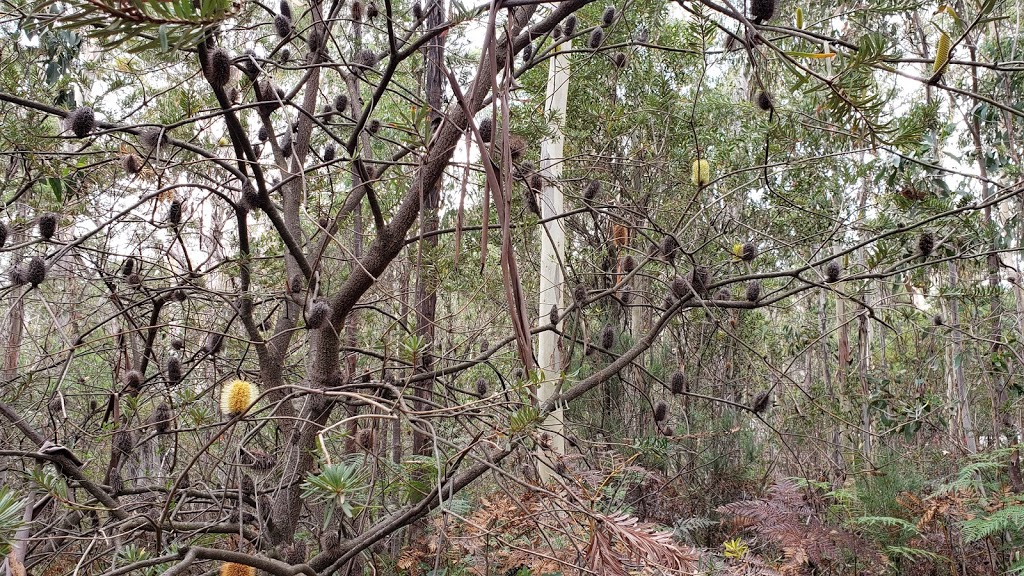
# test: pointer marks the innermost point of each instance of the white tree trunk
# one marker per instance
(552, 252)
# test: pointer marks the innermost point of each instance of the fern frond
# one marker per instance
(913, 554)
(1009, 518)
(885, 521)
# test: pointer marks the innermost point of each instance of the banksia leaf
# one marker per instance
(678, 382)
(761, 402)
(596, 38)
(235, 569)
(173, 370)
(660, 411)
(925, 244)
(319, 312)
(608, 16)
(35, 271)
(832, 271)
(569, 26)
(283, 25)
(481, 387)
(701, 172)
(218, 67)
(81, 121)
(608, 337)
(942, 48)
(48, 225)
(237, 397)
(753, 291)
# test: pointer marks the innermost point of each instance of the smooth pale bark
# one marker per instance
(552, 252)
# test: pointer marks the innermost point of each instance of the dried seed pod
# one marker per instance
(248, 64)
(669, 247)
(35, 271)
(286, 9)
(608, 16)
(366, 58)
(762, 10)
(701, 172)
(620, 59)
(295, 553)
(319, 312)
(527, 53)
(723, 295)
(764, 101)
(286, 145)
(569, 26)
(530, 199)
(607, 337)
(753, 290)
(315, 40)
(174, 213)
(556, 33)
(626, 295)
(596, 38)
(553, 316)
(748, 252)
(122, 442)
(214, 343)
(372, 11)
(327, 112)
(81, 121)
(179, 295)
(134, 279)
(283, 25)
(152, 137)
(481, 387)
(580, 293)
(237, 397)
(545, 441)
(761, 402)
(218, 67)
(48, 225)
(628, 264)
(373, 126)
(340, 103)
(116, 483)
(925, 244)
(592, 190)
(366, 439)
(286, 55)
(832, 271)
(4, 233)
(680, 287)
(357, 10)
(295, 284)
(417, 11)
(163, 418)
(250, 196)
(486, 129)
(131, 163)
(660, 411)
(678, 382)
(177, 344)
(133, 379)
(700, 279)
(937, 320)
(173, 370)
(329, 152)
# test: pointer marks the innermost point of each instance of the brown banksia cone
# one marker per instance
(152, 137)
(366, 58)
(283, 25)
(678, 382)
(372, 11)
(174, 213)
(214, 343)
(286, 55)
(579, 293)
(569, 26)
(592, 190)
(608, 337)
(546, 441)
(723, 295)
(295, 553)
(937, 320)
(680, 287)
(329, 152)
(417, 11)
(608, 16)
(319, 312)
(748, 252)
(315, 39)
(764, 101)
(925, 244)
(340, 103)
(218, 67)
(669, 246)
(620, 59)
(527, 53)
(134, 279)
(128, 266)
(179, 295)
(116, 482)
(753, 290)
(173, 370)
(554, 316)
(131, 164)
(832, 271)
(48, 225)
(5, 232)
(667, 431)
(628, 264)
(366, 439)
(81, 121)
(761, 402)
(122, 442)
(163, 418)
(133, 379)
(35, 271)
(660, 411)
(295, 285)
(481, 387)
(285, 9)
(373, 126)
(556, 33)
(530, 199)
(357, 10)
(701, 280)
(596, 38)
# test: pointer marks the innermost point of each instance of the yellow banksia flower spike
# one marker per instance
(701, 173)
(236, 569)
(237, 397)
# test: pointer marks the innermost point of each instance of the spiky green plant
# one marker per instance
(11, 507)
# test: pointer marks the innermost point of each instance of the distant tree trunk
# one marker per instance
(552, 255)
(955, 369)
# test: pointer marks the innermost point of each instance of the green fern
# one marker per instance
(1010, 517)
(914, 554)
(907, 528)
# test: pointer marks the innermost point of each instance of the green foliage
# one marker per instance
(11, 508)
(339, 485)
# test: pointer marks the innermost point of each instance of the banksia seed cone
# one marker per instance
(4, 233)
(941, 55)
(131, 163)
(701, 175)
(173, 370)
(925, 244)
(607, 337)
(315, 39)
(553, 316)
(596, 38)
(545, 441)
(832, 271)
(162, 418)
(282, 25)
(481, 387)
(762, 10)
(592, 190)
(608, 16)
(214, 343)
(237, 397)
(764, 101)
(761, 402)
(723, 295)
(620, 59)
(366, 438)
(530, 199)
(47, 225)
(680, 287)
(122, 442)
(527, 53)
(628, 264)
(668, 247)
(749, 251)
(701, 280)
(569, 26)
(218, 68)
(128, 266)
(262, 134)
(357, 10)
(373, 126)
(177, 344)
(484, 346)
(366, 58)
(536, 182)
(329, 152)
(319, 312)
(295, 553)
(372, 11)
(174, 213)
(667, 431)
(179, 295)
(328, 112)
(133, 379)
(417, 11)
(295, 285)
(235, 569)
(249, 65)
(286, 55)
(286, 9)
(937, 320)
(151, 137)
(35, 271)
(486, 129)
(753, 290)
(626, 296)
(678, 382)
(580, 293)
(81, 121)
(340, 103)
(134, 279)
(116, 483)
(286, 145)
(660, 411)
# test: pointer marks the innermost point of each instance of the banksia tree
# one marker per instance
(81, 121)
(701, 172)
(237, 397)
(218, 67)
(47, 225)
